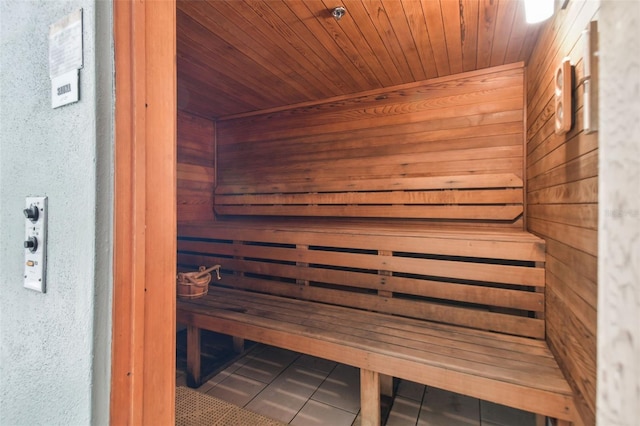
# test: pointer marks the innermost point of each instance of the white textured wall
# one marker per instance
(54, 347)
(618, 401)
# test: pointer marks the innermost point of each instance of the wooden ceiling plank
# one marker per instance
(224, 24)
(384, 60)
(469, 12)
(347, 36)
(382, 23)
(233, 89)
(199, 42)
(284, 35)
(420, 34)
(324, 39)
(435, 27)
(450, 10)
(252, 21)
(517, 34)
(505, 15)
(190, 99)
(401, 26)
(317, 40)
(487, 20)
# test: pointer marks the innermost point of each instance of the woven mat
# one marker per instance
(198, 409)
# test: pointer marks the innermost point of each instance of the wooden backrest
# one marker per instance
(480, 279)
(496, 197)
(443, 149)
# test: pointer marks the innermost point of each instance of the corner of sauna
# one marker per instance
(426, 154)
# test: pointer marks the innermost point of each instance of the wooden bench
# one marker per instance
(492, 197)
(460, 310)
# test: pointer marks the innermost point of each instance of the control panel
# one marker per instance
(35, 243)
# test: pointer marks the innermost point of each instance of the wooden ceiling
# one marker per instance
(237, 56)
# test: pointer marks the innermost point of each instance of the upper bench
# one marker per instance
(484, 197)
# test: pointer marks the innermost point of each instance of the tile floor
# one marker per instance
(303, 390)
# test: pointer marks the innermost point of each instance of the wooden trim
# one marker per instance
(143, 339)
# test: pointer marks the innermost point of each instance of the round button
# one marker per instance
(31, 244)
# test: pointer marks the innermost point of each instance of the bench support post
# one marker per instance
(194, 373)
(369, 397)
(238, 344)
(386, 385)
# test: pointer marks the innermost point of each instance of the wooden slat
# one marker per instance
(315, 321)
(466, 242)
(447, 291)
(508, 180)
(464, 270)
(505, 213)
(501, 196)
(545, 387)
(338, 276)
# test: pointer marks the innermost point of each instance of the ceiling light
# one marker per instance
(538, 10)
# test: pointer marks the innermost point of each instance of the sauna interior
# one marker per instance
(432, 117)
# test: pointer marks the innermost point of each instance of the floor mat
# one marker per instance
(197, 409)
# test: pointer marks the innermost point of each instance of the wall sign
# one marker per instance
(65, 59)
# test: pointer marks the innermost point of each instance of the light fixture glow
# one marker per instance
(538, 10)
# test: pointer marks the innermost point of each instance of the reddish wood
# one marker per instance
(143, 339)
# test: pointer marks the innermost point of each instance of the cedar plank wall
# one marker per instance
(470, 123)
(562, 196)
(196, 172)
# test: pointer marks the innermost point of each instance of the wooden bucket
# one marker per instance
(191, 285)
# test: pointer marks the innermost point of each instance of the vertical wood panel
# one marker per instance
(562, 203)
(196, 168)
(143, 339)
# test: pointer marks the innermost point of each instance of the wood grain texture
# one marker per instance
(253, 55)
(309, 160)
(419, 282)
(143, 339)
(519, 372)
(563, 203)
(196, 168)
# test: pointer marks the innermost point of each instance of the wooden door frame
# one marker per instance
(143, 312)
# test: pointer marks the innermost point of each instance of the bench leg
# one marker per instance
(194, 373)
(369, 398)
(238, 344)
(386, 385)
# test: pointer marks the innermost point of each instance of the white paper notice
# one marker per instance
(64, 89)
(65, 44)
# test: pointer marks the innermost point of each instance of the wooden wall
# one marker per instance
(562, 196)
(196, 168)
(467, 124)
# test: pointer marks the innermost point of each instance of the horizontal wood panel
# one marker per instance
(432, 131)
(428, 267)
(493, 295)
(488, 196)
(195, 168)
(491, 244)
(487, 213)
(409, 184)
(562, 199)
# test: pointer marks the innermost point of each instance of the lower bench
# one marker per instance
(432, 322)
